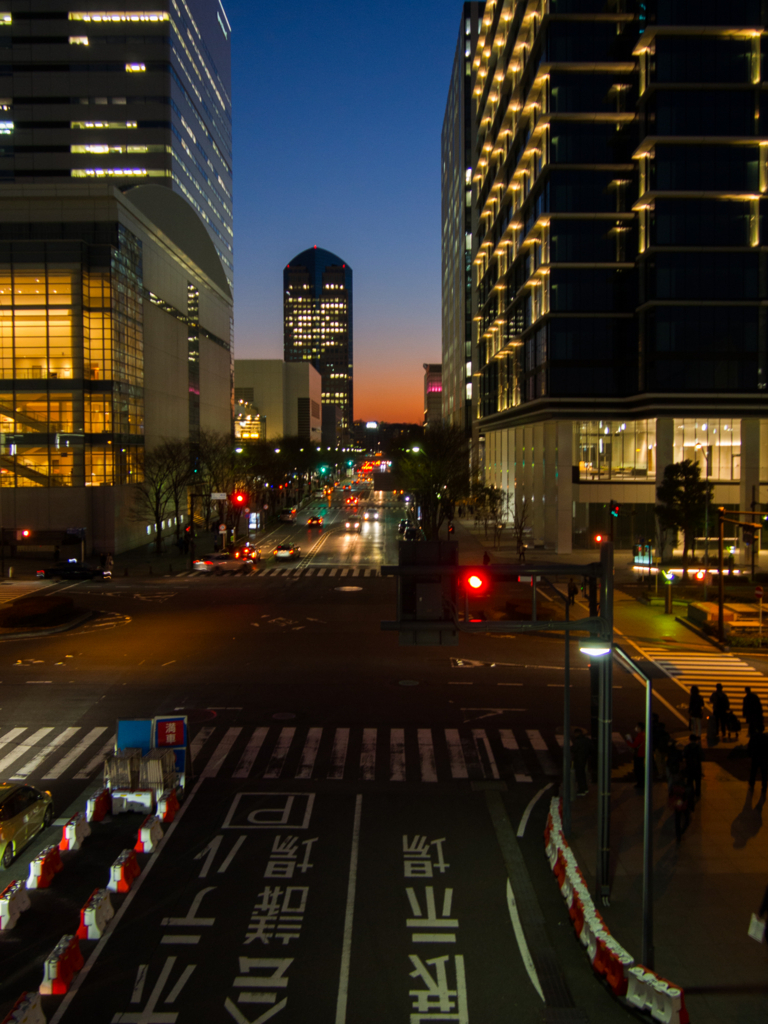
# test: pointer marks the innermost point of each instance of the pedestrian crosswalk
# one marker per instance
(12, 590)
(345, 753)
(337, 571)
(705, 668)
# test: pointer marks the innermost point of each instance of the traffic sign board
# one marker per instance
(246, 511)
(222, 527)
(758, 592)
(218, 496)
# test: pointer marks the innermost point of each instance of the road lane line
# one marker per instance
(24, 748)
(509, 743)
(346, 945)
(79, 748)
(368, 755)
(197, 743)
(279, 754)
(220, 753)
(522, 944)
(310, 572)
(541, 751)
(321, 572)
(397, 755)
(529, 808)
(98, 759)
(309, 754)
(10, 736)
(338, 754)
(456, 754)
(250, 753)
(484, 752)
(427, 756)
(26, 770)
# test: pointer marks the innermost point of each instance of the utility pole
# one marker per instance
(605, 723)
(720, 574)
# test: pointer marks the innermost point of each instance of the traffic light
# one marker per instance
(475, 581)
(615, 509)
(599, 538)
(238, 499)
(426, 597)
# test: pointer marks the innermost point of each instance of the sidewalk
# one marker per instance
(705, 888)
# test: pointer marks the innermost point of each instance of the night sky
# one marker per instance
(337, 110)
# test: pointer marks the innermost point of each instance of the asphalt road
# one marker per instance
(323, 753)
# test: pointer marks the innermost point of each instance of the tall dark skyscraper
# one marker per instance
(317, 324)
(136, 94)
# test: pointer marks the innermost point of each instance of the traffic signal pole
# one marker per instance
(605, 725)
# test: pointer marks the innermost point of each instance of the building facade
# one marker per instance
(125, 96)
(317, 326)
(619, 257)
(286, 396)
(457, 148)
(433, 393)
(115, 314)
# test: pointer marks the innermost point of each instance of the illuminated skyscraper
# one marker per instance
(317, 323)
(130, 95)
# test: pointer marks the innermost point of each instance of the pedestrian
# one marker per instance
(679, 800)
(581, 751)
(720, 708)
(572, 591)
(695, 710)
(757, 748)
(693, 770)
(752, 710)
(637, 745)
(486, 558)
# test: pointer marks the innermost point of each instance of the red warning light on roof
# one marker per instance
(314, 246)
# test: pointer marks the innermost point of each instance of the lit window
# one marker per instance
(103, 124)
(118, 172)
(6, 19)
(6, 127)
(135, 67)
(117, 16)
(79, 41)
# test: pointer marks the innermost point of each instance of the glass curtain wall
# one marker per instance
(616, 449)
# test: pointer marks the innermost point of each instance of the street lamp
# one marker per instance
(596, 647)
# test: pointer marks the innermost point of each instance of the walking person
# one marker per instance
(720, 708)
(757, 748)
(751, 710)
(572, 591)
(693, 769)
(581, 751)
(637, 745)
(695, 710)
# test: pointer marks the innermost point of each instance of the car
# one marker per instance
(24, 811)
(221, 560)
(371, 514)
(70, 569)
(246, 554)
(412, 533)
(352, 500)
(287, 515)
(352, 523)
(402, 526)
(315, 521)
(287, 551)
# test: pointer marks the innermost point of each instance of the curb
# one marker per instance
(702, 635)
(78, 621)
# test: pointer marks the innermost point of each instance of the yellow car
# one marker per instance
(24, 811)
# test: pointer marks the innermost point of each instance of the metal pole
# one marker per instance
(605, 722)
(706, 526)
(647, 943)
(533, 580)
(567, 730)
(192, 530)
(721, 575)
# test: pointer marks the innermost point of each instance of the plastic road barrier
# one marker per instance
(99, 805)
(74, 832)
(150, 834)
(133, 800)
(168, 805)
(124, 872)
(43, 868)
(60, 967)
(14, 899)
(95, 915)
(26, 1010)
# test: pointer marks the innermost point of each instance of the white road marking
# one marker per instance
(509, 742)
(529, 808)
(484, 747)
(279, 754)
(79, 748)
(321, 572)
(26, 770)
(10, 736)
(309, 754)
(346, 945)
(522, 944)
(23, 748)
(456, 754)
(98, 759)
(338, 754)
(397, 755)
(198, 742)
(368, 755)
(541, 751)
(427, 756)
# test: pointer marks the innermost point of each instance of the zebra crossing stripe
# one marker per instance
(11, 736)
(220, 753)
(250, 753)
(456, 754)
(427, 756)
(510, 744)
(332, 572)
(367, 572)
(310, 572)
(61, 766)
(344, 572)
(541, 751)
(23, 748)
(309, 754)
(321, 572)
(397, 755)
(368, 755)
(26, 770)
(98, 760)
(197, 743)
(485, 752)
(280, 752)
(338, 754)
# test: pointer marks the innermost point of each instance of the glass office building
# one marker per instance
(619, 194)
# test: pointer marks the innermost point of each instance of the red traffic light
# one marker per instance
(239, 499)
(475, 581)
(599, 538)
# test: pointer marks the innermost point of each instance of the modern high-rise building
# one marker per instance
(619, 183)
(130, 95)
(433, 394)
(457, 145)
(317, 325)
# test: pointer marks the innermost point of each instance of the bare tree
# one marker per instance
(437, 474)
(153, 496)
(520, 519)
(177, 454)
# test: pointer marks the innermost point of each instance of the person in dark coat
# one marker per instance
(695, 710)
(572, 591)
(752, 710)
(720, 708)
(757, 748)
(693, 771)
(661, 744)
(581, 751)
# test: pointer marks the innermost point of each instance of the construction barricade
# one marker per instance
(26, 1010)
(98, 805)
(124, 872)
(168, 805)
(61, 966)
(43, 868)
(150, 834)
(640, 987)
(14, 900)
(133, 800)
(95, 915)
(74, 832)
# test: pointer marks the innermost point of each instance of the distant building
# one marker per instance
(317, 324)
(433, 393)
(457, 145)
(285, 395)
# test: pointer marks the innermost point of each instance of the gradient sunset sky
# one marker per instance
(337, 111)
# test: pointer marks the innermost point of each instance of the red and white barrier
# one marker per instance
(60, 967)
(26, 1010)
(43, 868)
(642, 988)
(124, 872)
(150, 834)
(133, 800)
(168, 805)
(98, 805)
(95, 915)
(74, 832)
(14, 900)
